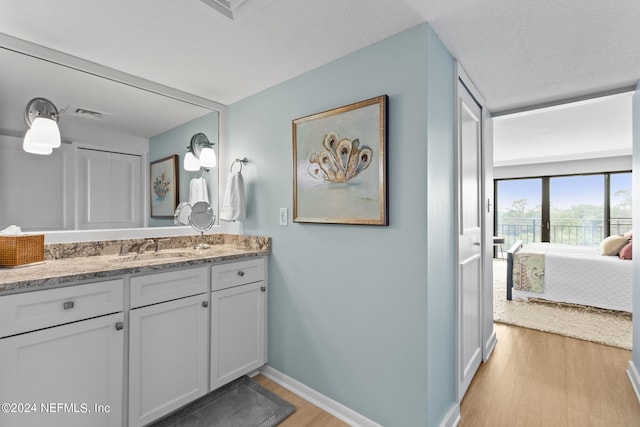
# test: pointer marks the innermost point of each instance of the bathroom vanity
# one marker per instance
(117, 340)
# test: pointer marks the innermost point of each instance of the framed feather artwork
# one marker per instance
(164, 187)
(340, 165)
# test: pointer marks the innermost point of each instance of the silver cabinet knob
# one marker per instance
(263, 288)
(205, 304)
(476, 243)
(68, 305)
(240, 273)
(119, 326)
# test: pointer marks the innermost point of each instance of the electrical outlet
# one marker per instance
(284, 216)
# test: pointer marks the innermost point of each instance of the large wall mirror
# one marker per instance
(110, 123)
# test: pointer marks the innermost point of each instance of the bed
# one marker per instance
(569, 274)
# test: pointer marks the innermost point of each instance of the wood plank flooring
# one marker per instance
(532, 379)
(539, 379)
(306, 414)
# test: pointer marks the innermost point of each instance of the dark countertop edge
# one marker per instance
(22, 286)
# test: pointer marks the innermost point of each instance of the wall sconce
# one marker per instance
(201, 154)
(43, 134)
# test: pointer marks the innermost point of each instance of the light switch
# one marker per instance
(284, 216)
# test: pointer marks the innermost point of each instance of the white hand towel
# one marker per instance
(233, 207)
(198, 191)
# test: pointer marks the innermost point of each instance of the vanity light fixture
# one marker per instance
(201, 154)
(191, 162)
(43, 134)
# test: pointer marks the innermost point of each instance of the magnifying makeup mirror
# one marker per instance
(201, 219)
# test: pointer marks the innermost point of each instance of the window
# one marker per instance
(519, 210)
(620, 203)
(576, 210)
(573, 210)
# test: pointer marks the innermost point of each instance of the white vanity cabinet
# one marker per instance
(238, 320)
(61, 356)
(168, 342)
(130, 350)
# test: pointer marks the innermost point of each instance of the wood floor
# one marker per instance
(532, 379)
(306, 414)
(539, 379)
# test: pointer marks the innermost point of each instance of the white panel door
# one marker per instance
(237, 332)
(67, 376)
(168, 357)
(36, 192)
(108, 190)
(469, 292)
(125, 190)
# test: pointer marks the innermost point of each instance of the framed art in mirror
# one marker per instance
(340, 166)
(164, 187)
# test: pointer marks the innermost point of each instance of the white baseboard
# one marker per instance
(634, 377)
(323, 402)
(489, 346)
(453, 417)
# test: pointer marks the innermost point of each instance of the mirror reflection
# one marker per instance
(99, 177)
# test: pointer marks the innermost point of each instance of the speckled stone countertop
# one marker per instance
(86, 261)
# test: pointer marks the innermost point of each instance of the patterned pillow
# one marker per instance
(612, 245)
(626, 251)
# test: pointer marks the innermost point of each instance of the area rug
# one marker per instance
(240, 403)
(586, 323)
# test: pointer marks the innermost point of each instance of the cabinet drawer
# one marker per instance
(159, 287)
(41, 309)
(237, 273)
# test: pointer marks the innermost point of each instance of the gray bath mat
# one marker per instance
(242, 403)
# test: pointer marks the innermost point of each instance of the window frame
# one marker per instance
(546, 205)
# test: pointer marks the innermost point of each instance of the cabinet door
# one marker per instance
(238, 329)
(108, 190)
(168, 357)
(48, 184)
(67, 376)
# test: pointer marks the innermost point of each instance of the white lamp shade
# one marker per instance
(191, 162)
(30, 146)
(45, 132)
(208, 158)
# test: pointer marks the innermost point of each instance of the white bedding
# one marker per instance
(580, 275)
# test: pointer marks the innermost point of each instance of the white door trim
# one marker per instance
(486, 178)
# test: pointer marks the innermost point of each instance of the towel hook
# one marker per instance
(242, 161)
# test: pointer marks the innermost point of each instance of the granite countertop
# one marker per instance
(58, 270)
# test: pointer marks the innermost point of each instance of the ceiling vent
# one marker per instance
(83, 112)
(223, 6)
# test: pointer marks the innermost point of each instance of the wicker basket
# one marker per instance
(20, 250)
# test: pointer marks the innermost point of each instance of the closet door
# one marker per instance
(469, 292)
(108, 190)
(31, 184)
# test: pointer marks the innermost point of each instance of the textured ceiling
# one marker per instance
(518, 53)
(522, 53)
(189, 46)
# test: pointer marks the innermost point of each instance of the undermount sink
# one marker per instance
(147, 256)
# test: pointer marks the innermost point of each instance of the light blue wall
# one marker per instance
(354, 311)
(441, 269)
(175, 141)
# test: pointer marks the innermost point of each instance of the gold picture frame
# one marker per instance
(163, 187)
(340, 165)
